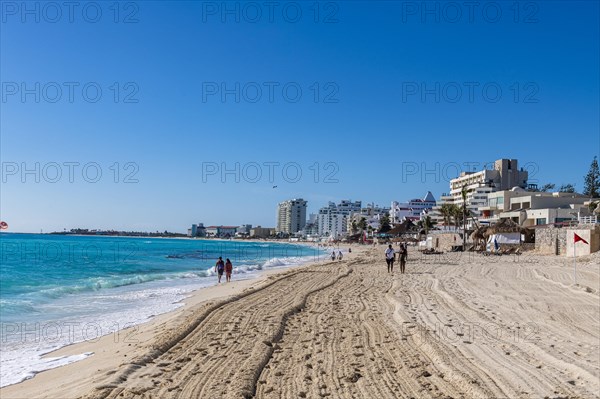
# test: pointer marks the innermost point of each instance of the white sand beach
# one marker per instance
(460, 326)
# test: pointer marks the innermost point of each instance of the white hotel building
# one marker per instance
(530, 209)
(332, 219)
(412, 210)
(372, 215)
(291, 216)
(505, 175)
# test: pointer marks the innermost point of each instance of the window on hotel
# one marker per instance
(539, 221)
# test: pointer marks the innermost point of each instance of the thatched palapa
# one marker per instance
(505, 226)
(402, 228)
(509, 226)
(479, 233)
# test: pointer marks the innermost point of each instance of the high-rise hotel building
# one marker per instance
(291, 216)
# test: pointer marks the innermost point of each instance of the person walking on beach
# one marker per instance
(220, 268)
(402, 255)
(228, 270)
(389, 258)
(333, 255)
(340, 256)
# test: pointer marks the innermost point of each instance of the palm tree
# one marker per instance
(362, 224)
(446, 211)
(426, 224)
(354, 226)
(456, 213)
(465, 212)
(384, 224)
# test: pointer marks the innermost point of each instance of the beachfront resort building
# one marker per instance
(374, 210)
(291, 216)
(371, 213)
(311, 228)
(332, 219)
(262, 232)
(243, 230)
(530, 209)
(504, 175)
(197, 230)
(221, 231)
(412, 210)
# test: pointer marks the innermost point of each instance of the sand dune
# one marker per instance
(462, 327)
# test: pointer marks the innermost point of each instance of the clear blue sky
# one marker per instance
(375, 65)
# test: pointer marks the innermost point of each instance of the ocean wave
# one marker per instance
(287, 261)
(94, 284)
(16, 307)
(98, 283)
(198, 254)
(20, 366)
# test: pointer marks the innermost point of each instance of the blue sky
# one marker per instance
(385, 88)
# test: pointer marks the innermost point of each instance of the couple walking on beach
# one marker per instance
(226, 267)
(390, 257)
(339, 255)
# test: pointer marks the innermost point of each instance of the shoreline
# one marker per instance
(126, 343)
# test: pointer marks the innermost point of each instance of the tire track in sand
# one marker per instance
(344, 344)
(348, 330)
(221, 353)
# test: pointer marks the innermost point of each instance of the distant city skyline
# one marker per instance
(126, 123)
(312, 207)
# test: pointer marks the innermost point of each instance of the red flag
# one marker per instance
(577, 238)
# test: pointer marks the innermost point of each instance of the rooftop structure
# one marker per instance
(412, 210)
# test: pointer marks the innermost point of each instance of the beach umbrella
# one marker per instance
(3, 225)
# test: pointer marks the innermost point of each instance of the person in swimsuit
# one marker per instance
(403, 254)
(228, 270)
(220, 268)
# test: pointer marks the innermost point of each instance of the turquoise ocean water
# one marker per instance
(58, 290)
